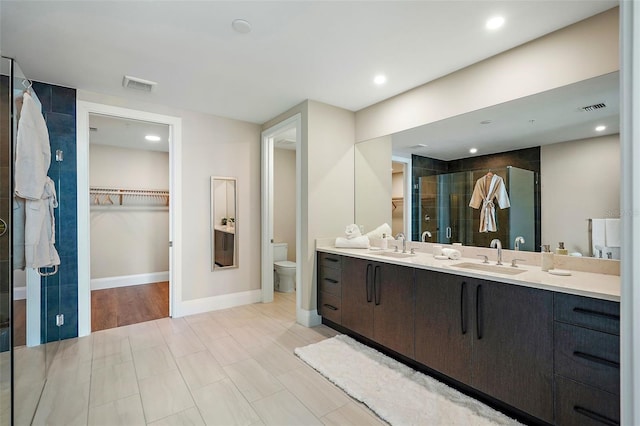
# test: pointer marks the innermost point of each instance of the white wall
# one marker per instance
(211, 146)
(578, 176)
(578, 52)
(128, 242)
(327, 183)
(284, 203)
(373, 183)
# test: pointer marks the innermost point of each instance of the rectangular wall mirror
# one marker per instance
(224, 223)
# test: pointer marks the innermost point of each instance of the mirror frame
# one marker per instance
(217, 227)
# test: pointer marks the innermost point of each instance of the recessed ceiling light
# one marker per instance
(473, 150)
(600, 128)
(242, 26)
(380, 79)
(495, 22)
(152, 138)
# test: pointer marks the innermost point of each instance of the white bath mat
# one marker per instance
(395, 392)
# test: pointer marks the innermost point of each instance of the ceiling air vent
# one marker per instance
(138, 83)
(418, 147)
(593, 107)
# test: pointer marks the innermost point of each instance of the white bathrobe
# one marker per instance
(33, 158)
(484, 196)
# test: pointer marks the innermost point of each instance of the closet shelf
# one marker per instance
(104, 196)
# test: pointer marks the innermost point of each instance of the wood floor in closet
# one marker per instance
(115, 307)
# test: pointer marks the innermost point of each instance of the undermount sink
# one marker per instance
(397, 254)
(490, 268)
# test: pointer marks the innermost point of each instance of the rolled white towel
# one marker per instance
(357, 242)
(383, 229)
(352, 231)
(452, 254)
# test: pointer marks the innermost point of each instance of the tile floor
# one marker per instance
(229, 367)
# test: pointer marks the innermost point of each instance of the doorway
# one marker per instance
(281, 204)
(111, 202)
(129, 221)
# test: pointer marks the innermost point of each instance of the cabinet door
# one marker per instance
(393, 313)
(512, 346)
(357, 296)
(444, 323)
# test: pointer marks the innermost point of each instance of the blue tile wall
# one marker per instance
(60, 291)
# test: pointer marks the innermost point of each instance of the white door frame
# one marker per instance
(267, 207)
(407, 193)
(175, 204)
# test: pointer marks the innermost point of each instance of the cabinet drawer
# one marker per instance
(330, 260)
(329, 281)
(602, 315)
(588, 356)
(330, 307)
(582, 405)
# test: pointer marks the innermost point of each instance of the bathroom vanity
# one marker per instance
(540, 347)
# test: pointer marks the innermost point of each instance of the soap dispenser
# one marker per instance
(384, 242)
(561, 249)
(547, 258)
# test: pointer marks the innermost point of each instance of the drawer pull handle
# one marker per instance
(333, 308)
(463, 308)
(596, 359)
(331, 280)
(595, 416)
(596, 313)
(368, 283)
(331, 259)
(479, 315)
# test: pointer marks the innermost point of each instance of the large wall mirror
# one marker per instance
(224, 223)
(564, 144)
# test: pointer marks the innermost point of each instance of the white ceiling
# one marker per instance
(125, 133)
(556, 115)
(297, 50)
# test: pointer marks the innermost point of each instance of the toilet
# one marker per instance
(284, 271)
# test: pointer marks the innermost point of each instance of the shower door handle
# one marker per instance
(48, 274)
(3, 227)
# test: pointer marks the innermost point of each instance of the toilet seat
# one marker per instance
(285, 264)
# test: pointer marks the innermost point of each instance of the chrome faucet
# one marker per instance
(516, 244)
(425, 234)
(495, 243)
(404, 242)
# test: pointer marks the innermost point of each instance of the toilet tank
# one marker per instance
(280, 252)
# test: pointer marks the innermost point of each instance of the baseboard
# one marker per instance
(19, 293)
(308, 318)
(128, 280)
(214, 303)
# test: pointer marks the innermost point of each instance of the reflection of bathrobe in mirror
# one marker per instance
(484, 197)
(33, 158)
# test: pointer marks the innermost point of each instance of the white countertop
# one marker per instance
(600, 286)
(227, 229)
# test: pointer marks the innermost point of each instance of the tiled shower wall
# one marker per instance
(59, 109)
(528, 159)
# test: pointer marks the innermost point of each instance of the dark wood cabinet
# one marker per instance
(587, 360)
(444, 323)
(513, 346)
(224, 248)
(550, 355)
(393, 311)
(357, 296)
(330, 287)
(378, 303)
(491, 336)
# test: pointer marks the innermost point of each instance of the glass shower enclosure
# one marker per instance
(444, 210)
(27, 298)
